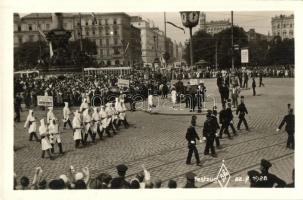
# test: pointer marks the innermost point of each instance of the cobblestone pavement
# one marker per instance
(158, 141)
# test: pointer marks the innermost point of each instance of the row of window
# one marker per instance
(284, 33)
(94, 32)
(284, 25)
(96, 22)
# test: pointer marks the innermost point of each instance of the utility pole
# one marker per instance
(216, 55)
(165, 36)
(232, 40)
(81, 47)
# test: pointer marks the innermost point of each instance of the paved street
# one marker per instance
(158, 141)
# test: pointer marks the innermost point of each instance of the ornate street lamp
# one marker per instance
(190, 19)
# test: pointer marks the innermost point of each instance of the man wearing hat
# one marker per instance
(45, 143)
(224, 122)
(289, 128)
(209, 131)
(55, 135)
(268, 180)
(50, 115)
(120, 182)
(77, 127)
(230, 117)
(191, 136)
(217, 126)
(190, 177)
(30, 123)
(241, 109)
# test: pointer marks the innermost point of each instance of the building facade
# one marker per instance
(118, 42)
(213, 27)
(252, 35)
(283, 26)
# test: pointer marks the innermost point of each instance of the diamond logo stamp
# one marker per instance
(223, 176)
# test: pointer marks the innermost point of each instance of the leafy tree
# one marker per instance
(89, 49)
(280, 51)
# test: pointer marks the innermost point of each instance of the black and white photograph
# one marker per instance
(195, 99)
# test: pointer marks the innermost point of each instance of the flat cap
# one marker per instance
(266, 163)
(121, 168)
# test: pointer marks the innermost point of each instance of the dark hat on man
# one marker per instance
(56, 184)
(190, 176)
(266, 163)
(242, 97)
(253, 173)
(209, 112)
(121, 168)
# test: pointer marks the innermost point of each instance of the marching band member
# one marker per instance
(50, 115)
(84, 105)
(45, 143)
(77, 126)
(109, 113)
(103, 118)
(96, 123)
(122, 114)
(66, 113)
(117, 113)
(87, 120)
(115, 116)
(55, 135)
(30, 123)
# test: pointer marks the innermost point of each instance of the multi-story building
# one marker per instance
(283, 26)
(252, 35)
(213, 27)
(117, 41)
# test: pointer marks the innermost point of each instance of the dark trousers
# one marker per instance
(60, 148)
(17, 118)
(232, 128)
(290, 140)
(242, 119)
(48, 152)
(224, 128)
(254, 91)
(69, 124)
(92, 136)
(209, 145)
(217, 139)
(240, 80)
(33, 134)
(261, 83)
(100, 133)
(187, 101)
(245, 85)
(77, 143)
(192, 149)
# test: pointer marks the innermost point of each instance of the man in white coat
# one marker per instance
(45, 143)
(77, 126)
(122, 113)
(55, 137)
(84, 105)
(103, 119)
(50, 115)
(66, 113)
(31, 124)
(109, 112)
(96, 123)
(87, 120)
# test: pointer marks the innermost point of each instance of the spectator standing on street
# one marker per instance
(120, 182)
(254, 86)
(261, 79)
(191, 137)
(241, 109)
(268, 180)
(245, 85)
(17, 105)
(289, 120)
(190, 180)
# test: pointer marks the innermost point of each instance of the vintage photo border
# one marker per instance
(8, 7)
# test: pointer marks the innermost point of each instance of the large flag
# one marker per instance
(51, 52)
(176, 26)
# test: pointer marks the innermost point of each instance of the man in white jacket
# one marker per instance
(77, 126)
(66, 113)
(87, 120)
(45, 143)
(103, 120)
(96, 123)
(30, 123)
(55, 135)
(50, 115)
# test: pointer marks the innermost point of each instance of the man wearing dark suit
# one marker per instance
(268, 180)
(253, 85)
(241, 109)
(209, 131)
(191, 137)
(289, 128)
(120, 182)
(230, 117)
(190, 180)
(224, 122)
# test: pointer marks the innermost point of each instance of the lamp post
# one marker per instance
(190, 19)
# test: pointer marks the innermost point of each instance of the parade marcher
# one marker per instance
(241, 109)
(150, 102)
(104, 124)
(84, 105)
(191, 136)
(31, 124)
(174, 97)
(77, 126)
(190, 180)
(87, 121)
(115, 117)
(234, 96)
(224, 121)
(209, 134)
(253, 85)
(55, 137)
(230, 118)
(187, 95)
(217, 126)
(109, 125)
(245, 85)
(117, 109)
(268, 180)
(96, 124)
(122, 114)
(45, 143)
(120, 182)
(66, 113)
(224, 92)
(289, 128)
(50, 115)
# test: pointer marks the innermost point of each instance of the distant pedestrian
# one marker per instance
(254, 86)
(289, 120)
(261, 79)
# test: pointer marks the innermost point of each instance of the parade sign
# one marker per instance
(46, 101)
(194, 81)
(123, 83)
(244, 55)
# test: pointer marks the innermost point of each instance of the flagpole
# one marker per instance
(81, 46)
(165, 35)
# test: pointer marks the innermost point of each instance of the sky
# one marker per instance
(260, 21)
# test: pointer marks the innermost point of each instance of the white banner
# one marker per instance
(46, 101)
(123, 83)
(244, 56)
